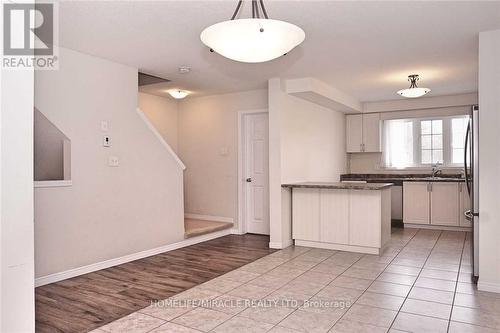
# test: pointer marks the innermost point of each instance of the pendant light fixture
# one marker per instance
(413, 91)
(252, 40)
(178, 94)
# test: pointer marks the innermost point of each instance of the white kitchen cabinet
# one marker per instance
(363, 133)
(306, 209)
(435, 203)
(444, 204)
(354, 133)
(416, 203)
(334, 216)
(371, 133)
(465, 204)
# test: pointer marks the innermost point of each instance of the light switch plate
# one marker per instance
(104, 126)
(113, 161)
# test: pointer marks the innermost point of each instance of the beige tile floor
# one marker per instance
(421, 283)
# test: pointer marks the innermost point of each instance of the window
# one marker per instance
(458, 131)
(421, 142)
(431, 141)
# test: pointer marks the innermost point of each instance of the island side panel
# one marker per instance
(334, 216)
(365, 212)
(386, 216)
(305, 214)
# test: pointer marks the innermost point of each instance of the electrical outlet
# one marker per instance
(113, 161)
(106, 141)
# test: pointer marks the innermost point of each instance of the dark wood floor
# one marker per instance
(86, 302)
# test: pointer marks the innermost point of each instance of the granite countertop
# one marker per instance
(398, 179)
(340, 186)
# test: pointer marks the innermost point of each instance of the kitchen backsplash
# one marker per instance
(372, 163)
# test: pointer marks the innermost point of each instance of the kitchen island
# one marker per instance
(352, 217)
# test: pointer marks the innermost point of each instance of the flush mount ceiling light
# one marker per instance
(253, 39)
(178, 94)
(413, 91)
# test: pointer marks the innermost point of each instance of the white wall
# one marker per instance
(208, 126)
(17, 303)
(307, 143)
(163, 113)
(312, 142)
(489, 160)
(108, 212)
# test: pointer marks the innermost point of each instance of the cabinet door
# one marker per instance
(465, 204)
(365, 218)
(305, 215)
(416, 205)
(354, 133)
(444, 204)
(371, 133)
(334, 216)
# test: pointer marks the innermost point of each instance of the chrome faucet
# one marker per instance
(435, 170)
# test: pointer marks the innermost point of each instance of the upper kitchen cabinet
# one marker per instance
(363, 133)
(371, 133)
(354, 133)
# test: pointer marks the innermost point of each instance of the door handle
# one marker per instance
(248, 180)
(468, 215)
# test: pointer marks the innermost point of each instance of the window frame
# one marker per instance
(417, 142)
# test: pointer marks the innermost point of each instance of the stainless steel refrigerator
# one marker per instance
(471, 166)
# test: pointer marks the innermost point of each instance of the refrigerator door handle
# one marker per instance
(466, 172)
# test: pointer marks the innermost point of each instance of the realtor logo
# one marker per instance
(29, 32)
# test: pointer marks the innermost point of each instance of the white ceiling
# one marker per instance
(365, 49)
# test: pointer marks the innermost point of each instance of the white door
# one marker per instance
(256, 172)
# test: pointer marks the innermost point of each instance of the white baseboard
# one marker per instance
(338, 247)
(128, 258)
(437, 227)
(236, 231)
(209, 218)
(281, 245)
(488, 286)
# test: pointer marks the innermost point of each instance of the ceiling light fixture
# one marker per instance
(413, 91)
(253, 39)
(178, 94)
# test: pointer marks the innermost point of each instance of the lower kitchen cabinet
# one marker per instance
(416, 203)
(465, 204)
(435, 204)
(444, 204)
